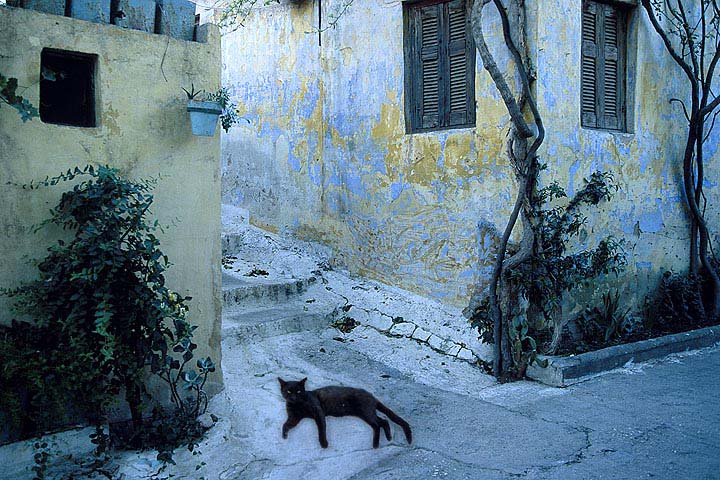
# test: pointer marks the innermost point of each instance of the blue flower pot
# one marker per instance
(203, 117)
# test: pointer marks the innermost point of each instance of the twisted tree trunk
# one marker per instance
(523, 158)
(694, 49)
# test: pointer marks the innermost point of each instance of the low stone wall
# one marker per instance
(564, 371)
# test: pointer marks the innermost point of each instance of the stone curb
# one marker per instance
(565, 371)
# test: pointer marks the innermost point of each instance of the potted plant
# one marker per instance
(204, 113)
(229, 115)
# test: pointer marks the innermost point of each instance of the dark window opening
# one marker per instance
(439, 65)
(603, 99)
(67, 88)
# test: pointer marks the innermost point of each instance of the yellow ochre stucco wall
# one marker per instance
(144, 131)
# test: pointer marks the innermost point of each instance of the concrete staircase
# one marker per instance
(261, 300)
(274, 286)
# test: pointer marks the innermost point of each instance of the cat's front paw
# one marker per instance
(284, 435)
(324, 443)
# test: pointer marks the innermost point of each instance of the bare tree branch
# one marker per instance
(712, 125)
(666, 40)
(682, 104)
(497, 76)
(522, 71)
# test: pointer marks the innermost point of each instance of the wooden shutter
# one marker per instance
(430, 71)
(588, 77)
(603, 66)
(460, 55)
(613, 74)
(439, 65)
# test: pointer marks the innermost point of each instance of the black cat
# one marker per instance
(336, 402)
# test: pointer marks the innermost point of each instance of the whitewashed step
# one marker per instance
(257, 291)
(290, 317)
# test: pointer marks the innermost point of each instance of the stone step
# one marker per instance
(255, 245)
(232, 243)
(290, 317)
(239, 292)
(252, 241)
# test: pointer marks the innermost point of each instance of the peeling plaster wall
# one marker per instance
(648, 212)
(272, 161)
(324, 154)
(144, 131)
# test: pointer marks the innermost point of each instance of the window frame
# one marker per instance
(87, 63)
(623, 12)
(413, 70)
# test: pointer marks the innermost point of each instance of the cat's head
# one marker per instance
(292, 391)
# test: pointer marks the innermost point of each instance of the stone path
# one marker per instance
(643, 421)
(267, 277)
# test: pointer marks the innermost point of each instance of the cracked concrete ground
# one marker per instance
(656, 420)
(647, 421)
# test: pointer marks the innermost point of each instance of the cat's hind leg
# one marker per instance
(385, 426)
(376, 435)
(373, 420)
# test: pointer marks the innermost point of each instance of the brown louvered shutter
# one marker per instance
(603, 66)
(428, 87)
(588, 78)
(461, 53)
(439, 65)
(613, 75)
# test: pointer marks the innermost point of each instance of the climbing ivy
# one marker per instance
(101, 306)
(551, 270)
(9, 96)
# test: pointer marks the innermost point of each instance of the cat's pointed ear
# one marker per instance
(302, 382)
(282, 382)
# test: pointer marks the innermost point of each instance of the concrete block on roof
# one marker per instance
(97, 11)
(55, 7)
(177, 18)
(135, 14)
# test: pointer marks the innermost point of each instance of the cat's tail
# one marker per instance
(395, 418)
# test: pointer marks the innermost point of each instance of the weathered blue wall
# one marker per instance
(324, 154)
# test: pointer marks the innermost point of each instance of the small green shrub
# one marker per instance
(677, 304)
(101, 306)
(229, 115)
(552, 269)
(38, 387)
(482, 320)
(600, 326)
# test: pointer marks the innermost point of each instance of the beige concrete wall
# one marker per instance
(143, 130)
(326, 156)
